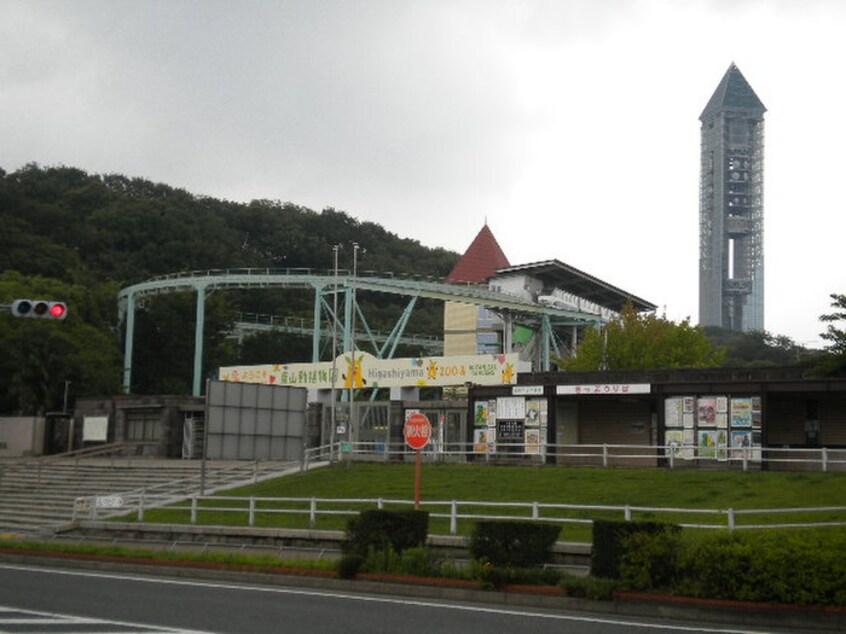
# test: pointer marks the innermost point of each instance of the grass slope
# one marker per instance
(636, 487)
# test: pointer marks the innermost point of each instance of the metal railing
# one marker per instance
(456, 511)
(823, 459)
(125, 452)
(174, 491)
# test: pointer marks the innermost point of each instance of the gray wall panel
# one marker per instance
(217, 391)
(232, 420)
(262, 448)
(263, 418)
(232, 394)
(298, 400)
(280, 399)
(249, 421)
(247, 447)
(265, 399)
(215, 420)
(249, 396)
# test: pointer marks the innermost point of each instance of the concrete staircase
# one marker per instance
(39, 496)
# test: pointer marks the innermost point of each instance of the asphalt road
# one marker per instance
(37, 599)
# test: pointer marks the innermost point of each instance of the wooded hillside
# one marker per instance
(66, 234)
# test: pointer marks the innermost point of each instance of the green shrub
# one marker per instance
(419, 562)
(415, 562)
(381, 561)
(515, 544)
(611, 542)
(534, 576)
(792, 566)
(381, 529)
(349, 565)
(593, 588)
(650, 559)
(490, 577)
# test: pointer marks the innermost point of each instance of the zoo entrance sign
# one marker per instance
(370, 372)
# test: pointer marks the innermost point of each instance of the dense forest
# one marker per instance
(80, 237)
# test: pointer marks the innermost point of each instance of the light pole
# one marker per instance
(332, 399)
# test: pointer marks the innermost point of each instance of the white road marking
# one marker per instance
(48, 620)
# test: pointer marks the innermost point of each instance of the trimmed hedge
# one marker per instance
(793, 566)
(777, 566)
(378, 530)
(611, 541)
(514, 544)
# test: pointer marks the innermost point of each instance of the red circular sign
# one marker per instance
(417, 431)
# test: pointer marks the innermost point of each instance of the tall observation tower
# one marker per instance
(731, 207)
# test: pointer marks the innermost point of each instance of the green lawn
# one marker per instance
(566, 485)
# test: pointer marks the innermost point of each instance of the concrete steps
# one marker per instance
(37, 497)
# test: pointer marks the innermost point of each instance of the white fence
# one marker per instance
(460, 511)
(602, 455)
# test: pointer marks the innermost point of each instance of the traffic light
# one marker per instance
(39, 309)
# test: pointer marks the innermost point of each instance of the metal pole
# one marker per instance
(353, 431)
(417, 473)
(198, 339)
(65, 400)
(333, 397)
(205, 444)
(127, 346)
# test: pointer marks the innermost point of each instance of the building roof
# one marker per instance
(733, 91)
(481, 260)
(555, 274)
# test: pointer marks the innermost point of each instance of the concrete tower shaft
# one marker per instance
(731, 207)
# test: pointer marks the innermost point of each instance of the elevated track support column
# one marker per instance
(546, 338)
(127, 344)
(198, 340)
(315, 335)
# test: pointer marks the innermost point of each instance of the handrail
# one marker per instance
(122, 448)
(538, 511)
(609, 454)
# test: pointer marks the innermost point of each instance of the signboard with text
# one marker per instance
(605, 389)
(370, 372)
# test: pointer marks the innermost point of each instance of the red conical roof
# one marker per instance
(481, 260)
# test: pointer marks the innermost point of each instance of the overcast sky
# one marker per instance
(570, 126)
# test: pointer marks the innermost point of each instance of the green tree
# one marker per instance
(833, 360)
(639, 341)
(833, 334)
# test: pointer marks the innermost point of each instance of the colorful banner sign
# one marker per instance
(370, 372)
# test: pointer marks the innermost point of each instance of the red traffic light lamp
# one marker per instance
(39, 309)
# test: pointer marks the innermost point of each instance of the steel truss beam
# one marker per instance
(202, 282)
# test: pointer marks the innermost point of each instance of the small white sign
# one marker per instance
(95, 428)
(605, 389)
(527, 390)
(109, 502)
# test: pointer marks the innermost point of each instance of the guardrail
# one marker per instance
(455, 511)
(824, 459)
